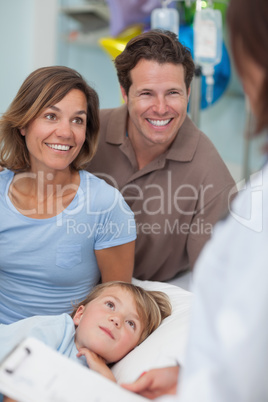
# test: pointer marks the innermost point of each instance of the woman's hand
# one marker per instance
(96, 363)
(155, 382)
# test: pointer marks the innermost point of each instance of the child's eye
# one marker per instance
(131, 324)
(110, 304)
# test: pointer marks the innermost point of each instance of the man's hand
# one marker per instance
(96, 363)
(156, 382)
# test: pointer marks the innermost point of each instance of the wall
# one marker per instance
(88, 58)
(27, 32)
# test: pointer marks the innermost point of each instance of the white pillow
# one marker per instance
(166, 345)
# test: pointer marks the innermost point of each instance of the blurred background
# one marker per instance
(86, 35)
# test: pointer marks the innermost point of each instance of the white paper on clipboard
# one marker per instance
(35, 372)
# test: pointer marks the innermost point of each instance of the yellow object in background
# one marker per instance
(114, 46)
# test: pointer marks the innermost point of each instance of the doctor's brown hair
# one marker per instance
(248, 25)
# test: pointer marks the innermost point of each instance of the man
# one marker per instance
(168, 171)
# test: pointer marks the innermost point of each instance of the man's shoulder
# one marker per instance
(204, 145)
(113, 124)
(106, 112)
(196, 148)
(191, 143)
(193, 131)
(114, 112)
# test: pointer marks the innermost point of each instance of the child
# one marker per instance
(102, 329)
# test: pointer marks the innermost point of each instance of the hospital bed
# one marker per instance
(164, 347)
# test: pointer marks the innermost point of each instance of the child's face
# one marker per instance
(109, 325)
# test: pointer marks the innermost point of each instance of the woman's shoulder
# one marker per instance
(101, 194)
(96, 183)
(5, 172)
(5, 176)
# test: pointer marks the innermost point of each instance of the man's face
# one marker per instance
(157, 102)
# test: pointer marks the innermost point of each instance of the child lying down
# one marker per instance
(102, 329)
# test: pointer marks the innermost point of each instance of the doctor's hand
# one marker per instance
(6, 398)
(155, 382)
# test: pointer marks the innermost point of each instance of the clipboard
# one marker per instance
(35, 372)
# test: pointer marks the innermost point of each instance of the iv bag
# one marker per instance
(208, 44)
(208, 37)
(165, 18)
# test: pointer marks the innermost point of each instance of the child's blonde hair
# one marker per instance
(152, 306)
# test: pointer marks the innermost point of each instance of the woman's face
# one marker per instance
(56, 136)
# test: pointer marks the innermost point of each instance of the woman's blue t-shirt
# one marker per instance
(48, 264)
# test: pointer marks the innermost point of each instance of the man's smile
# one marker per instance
(159, 123)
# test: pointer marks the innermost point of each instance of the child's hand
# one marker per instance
(96, 363)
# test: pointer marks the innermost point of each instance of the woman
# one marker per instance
(226, 360)
(62, 229)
